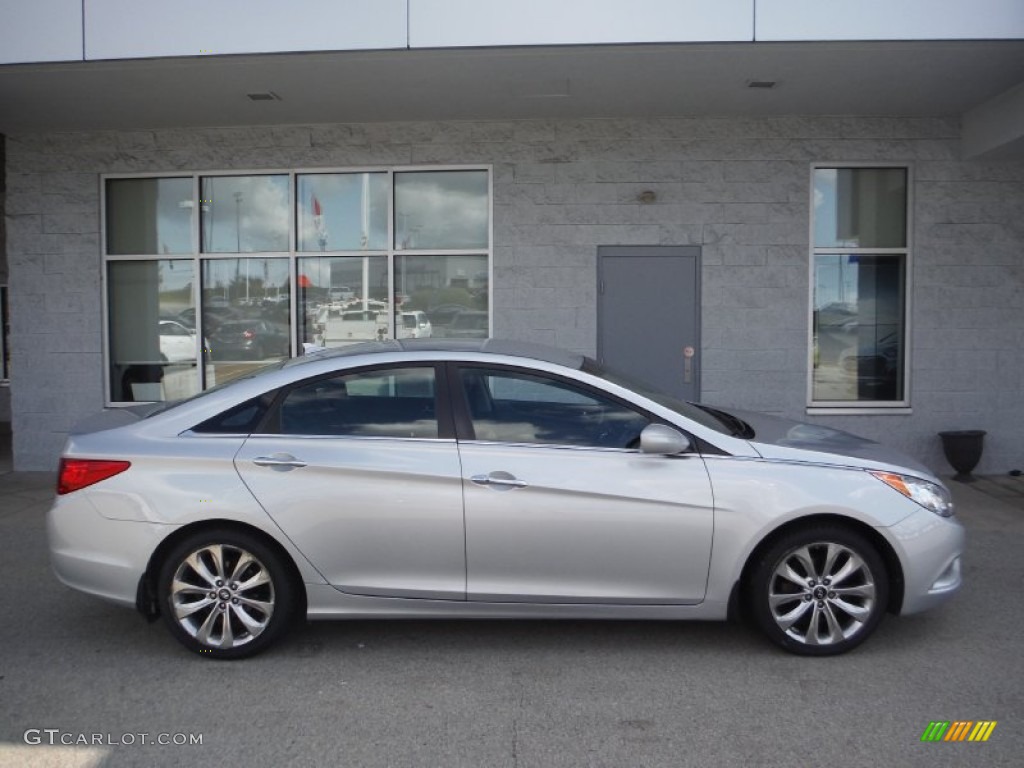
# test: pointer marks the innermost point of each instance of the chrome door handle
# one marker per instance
(279, 461)
(500, 481)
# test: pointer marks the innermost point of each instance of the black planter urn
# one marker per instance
(963, 451)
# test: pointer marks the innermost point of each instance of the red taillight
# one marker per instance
(249, 334)
(76, 474)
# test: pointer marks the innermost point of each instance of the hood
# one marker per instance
(779, 438)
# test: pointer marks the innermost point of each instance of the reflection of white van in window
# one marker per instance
(341, 293)
(354, 325)
(414, 325)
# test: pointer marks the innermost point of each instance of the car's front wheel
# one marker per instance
(818, 591)
(225, 594)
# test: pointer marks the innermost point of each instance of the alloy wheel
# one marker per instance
(822, 593)
(222, 596)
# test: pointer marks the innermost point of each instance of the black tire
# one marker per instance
(215, 616)
(818, 591)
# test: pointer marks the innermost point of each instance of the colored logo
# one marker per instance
(958, 730)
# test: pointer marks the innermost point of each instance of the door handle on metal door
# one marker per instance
(281, 462)
(499, 481)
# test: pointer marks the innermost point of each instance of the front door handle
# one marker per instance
(280, 462)
(499, 481)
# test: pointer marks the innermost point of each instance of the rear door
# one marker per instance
(362, 473)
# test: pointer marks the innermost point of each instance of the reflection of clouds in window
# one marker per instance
(353, 210)
(268, 273)
(825, 206)
(245, 214)
(174, 217)
(175, 275)
(441, 209)
(836, 283)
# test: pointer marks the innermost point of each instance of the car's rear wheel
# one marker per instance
(818, 591)
(225, 594)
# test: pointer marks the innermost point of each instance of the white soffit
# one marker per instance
(125, 29)
(789, 20)
(996, 128)
(474, 23)
(905, 79)
(40, 30)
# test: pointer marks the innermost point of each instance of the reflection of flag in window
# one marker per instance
(318, 223)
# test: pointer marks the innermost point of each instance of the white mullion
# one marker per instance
(392, 251)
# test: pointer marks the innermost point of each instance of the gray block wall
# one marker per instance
(739, 188)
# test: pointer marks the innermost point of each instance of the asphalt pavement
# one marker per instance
(83, 683)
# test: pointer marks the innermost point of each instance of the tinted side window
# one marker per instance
(394, 402)
(514, 407)
(242, 419)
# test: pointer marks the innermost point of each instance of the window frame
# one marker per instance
(463, 414)
(293, 255)
(862, 407)
(5, 349)
(270, 424)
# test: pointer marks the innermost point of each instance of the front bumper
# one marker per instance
(930, 549)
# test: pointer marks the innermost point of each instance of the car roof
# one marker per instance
(508, 347)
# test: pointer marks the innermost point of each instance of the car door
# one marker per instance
(361, 471)
(561, 506)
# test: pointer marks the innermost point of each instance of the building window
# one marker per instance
(342, 211)
(208, 276)
(859, 303)
(441, 210)
(152, 348)
(149, 216)
(245, 214)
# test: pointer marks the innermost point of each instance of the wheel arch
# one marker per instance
(894, 569)
(146, 600)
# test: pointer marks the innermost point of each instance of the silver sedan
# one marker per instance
(490, 479)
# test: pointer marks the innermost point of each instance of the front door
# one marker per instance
(562, 508)
(648, 315)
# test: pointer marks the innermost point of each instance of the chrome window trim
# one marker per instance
(557, 446)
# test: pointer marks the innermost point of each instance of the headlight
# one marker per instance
(929, 495)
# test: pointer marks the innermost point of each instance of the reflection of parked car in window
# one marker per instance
(177, 342)
(414, 325)
(212, 317)
(874, 363)
(468, 324)
(352, 325)
(442, 315)
(250, 340)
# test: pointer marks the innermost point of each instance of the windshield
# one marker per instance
(691, 411)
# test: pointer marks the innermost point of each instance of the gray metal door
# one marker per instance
(648, 315)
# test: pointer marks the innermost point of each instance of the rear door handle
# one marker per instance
(499, 481)
(281, 462)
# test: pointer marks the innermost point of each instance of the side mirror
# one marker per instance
(663, 439)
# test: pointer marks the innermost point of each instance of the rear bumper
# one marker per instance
(96, 555)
